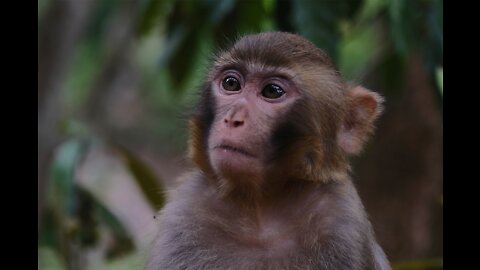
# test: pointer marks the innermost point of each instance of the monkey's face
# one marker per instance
(248, 102)
(274, 106)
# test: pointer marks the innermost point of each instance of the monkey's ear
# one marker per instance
(363, 107)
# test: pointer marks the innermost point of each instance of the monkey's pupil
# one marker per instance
(272, 91)
(231, 84)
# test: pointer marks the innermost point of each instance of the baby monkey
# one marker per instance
(270, 139)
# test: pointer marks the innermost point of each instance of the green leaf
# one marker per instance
(61, 202)
(61, 189)
(370, 9)
(186, 43)
(398, 24)
(439, 77)
(357, 50)
(81, 227)
(91, 215)
(87, 64)
(73, 215)
(48, 234)
(318, 21)
(153, 12)
(146, 179)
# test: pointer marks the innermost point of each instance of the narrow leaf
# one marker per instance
(146, 179)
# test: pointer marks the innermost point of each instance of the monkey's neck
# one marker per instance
(257, 194)
(247, 193)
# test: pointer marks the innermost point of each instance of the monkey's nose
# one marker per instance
(233, 122)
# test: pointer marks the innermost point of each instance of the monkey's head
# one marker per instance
(275, 107)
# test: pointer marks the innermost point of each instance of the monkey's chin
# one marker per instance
(233, 163)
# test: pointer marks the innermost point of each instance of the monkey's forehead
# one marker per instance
(276, 49)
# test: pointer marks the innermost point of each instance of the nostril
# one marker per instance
(237, 123)
(233, 123)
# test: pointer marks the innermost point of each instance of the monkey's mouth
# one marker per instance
(234, 149)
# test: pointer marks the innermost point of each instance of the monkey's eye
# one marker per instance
(231, 84)
(272, 91)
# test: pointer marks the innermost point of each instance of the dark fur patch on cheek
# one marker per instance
(200, 125)
(206, 112)
(288, 132)
(283, 137)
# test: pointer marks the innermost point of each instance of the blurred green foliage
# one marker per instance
(74, 216)
(431, 264)
(173, 41)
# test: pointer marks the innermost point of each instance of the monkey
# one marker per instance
(271, 188)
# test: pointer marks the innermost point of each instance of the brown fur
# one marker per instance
(299, 208)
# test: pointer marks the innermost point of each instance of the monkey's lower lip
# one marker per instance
(234, 149)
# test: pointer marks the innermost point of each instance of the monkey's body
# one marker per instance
(271, 139)
(302, 230)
